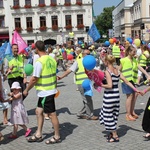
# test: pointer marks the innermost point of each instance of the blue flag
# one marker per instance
(8, 52)
(2, 52)
(93, 33)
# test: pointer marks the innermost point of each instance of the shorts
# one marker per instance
(127, 89)
(47, 103)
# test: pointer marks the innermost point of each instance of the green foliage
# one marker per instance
(103, 21)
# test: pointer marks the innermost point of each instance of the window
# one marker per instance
(29, 22)
(68, 20)
(41, 1)
(80, 1)
(42, 21)
(17, 23)
(2, 22)
(30, 42)
(16, 2)
(67, 1)
(54, 20)
(54, 1)
(1, 3)
(27, 2)
(79, 19)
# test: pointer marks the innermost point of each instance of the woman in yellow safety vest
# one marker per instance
(143, 60)
(129, 67)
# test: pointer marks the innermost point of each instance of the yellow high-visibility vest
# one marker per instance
(18, 70)
(80, 75)
(129, 69)
(47, 80)
(116, 51)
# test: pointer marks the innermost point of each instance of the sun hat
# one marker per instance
(15, 85)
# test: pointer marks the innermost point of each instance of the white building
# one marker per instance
(47, 20)
(131, 18)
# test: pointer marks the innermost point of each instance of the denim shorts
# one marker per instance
(127, 89)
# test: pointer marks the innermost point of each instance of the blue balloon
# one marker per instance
(62, 50)
(107, 43)
(86, 84)
(143, 42)
(72, 53)
(128, 38)
(130, 41)
(80, 42)
(89, 62)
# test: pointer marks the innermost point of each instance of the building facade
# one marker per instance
(53, 21)
(131, 18)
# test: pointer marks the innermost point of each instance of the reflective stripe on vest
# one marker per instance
(80, 75)
(116, 51)
(129, 70)
(47, 80)
(18, 70)
(143, 60)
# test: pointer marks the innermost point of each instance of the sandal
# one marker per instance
(109, 136)
(53, 140)
(113, 139)
(12, 136)
(147, 136)
(1, 138)
(34, 138)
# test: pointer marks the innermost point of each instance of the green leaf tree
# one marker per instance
(104, 20)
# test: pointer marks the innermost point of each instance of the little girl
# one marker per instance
(18, 113)
(111, 99)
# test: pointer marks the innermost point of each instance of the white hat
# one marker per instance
(15, 85)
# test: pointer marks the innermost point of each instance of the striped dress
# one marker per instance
(111, 104)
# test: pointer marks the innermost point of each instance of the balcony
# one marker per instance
(55, 27)
(18, 29)
(79, 3)
(80, 26)
(53, 4)
(43, 28)
(68, 27)
(16, 7)
(29, 29)
(67, 4)
(41, 5)
(27, 6)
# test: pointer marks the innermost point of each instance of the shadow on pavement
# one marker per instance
(19, 134)
(123, 129)
(137, 111)
(65, 130)
(64, 110)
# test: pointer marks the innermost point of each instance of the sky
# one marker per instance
(100, 4)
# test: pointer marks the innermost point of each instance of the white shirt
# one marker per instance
(52, 55)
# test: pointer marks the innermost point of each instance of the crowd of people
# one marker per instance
(126, 62)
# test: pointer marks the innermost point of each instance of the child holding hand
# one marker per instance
(18, 113)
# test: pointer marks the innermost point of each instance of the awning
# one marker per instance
(4, 36)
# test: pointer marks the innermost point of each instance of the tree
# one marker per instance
(104, 20)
